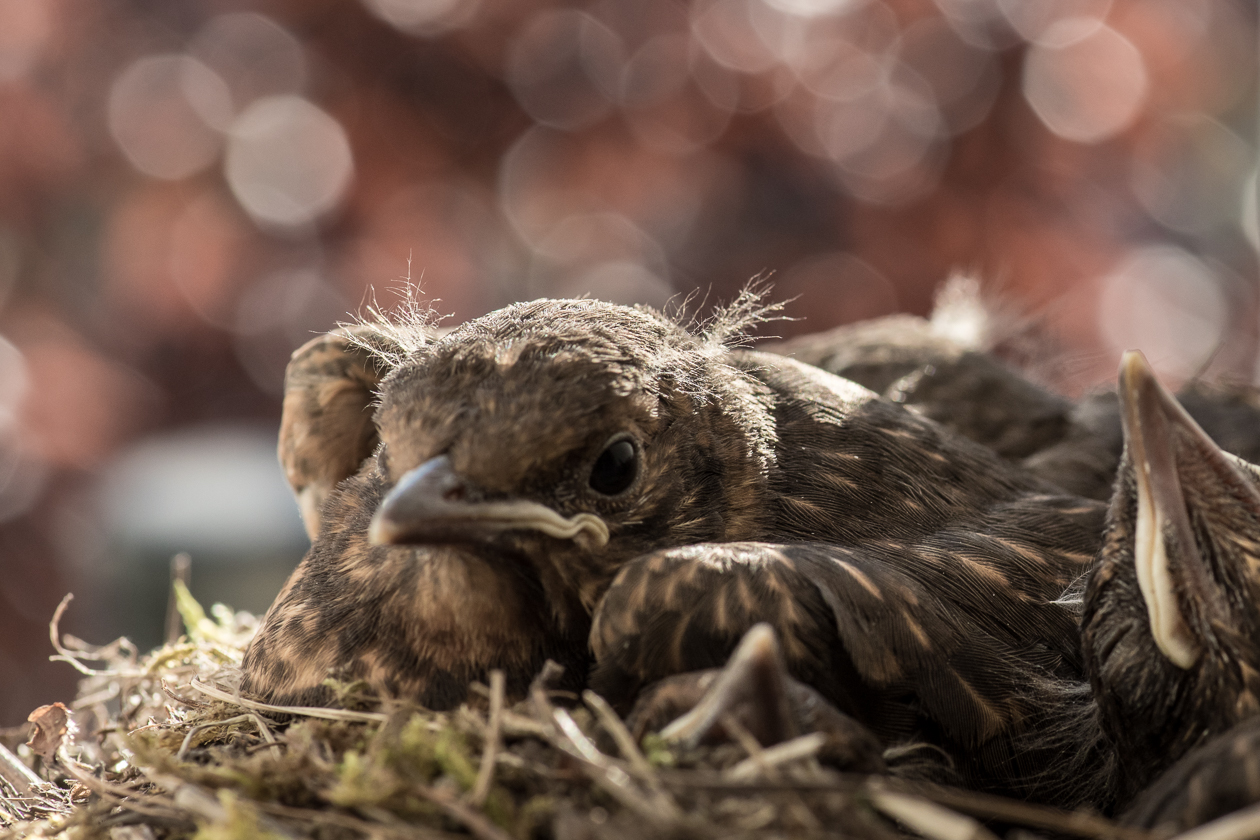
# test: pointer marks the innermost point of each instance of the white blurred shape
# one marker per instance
(1035, 19)
(1251, 209)
(253, 54)
(213, 490)
(532, 187)
(565, 68)
(24, 29)
(424, 17)
(288, 161)
(165, 112)
(1090, 89)
(849, 72)
(1190, 171)
(14, 380)
(816, 8)
(1168, 304)
(22, 476)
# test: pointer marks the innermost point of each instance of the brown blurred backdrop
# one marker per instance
(189, 189)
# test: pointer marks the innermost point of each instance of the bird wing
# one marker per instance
(892, 637)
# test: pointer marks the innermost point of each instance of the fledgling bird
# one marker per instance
(556, 441)
(1171, 622)
(917, 362)
(943, 368)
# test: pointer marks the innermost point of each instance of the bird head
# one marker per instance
(1171, 623)
(578, 434)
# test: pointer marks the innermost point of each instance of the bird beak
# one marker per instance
(431, 504)
(1158, 434)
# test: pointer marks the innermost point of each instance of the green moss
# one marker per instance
(241, 821)
(658, 752)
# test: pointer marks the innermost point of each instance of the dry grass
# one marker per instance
(164, 747)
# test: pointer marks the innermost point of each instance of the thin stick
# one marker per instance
(1241, 824)
(805, 746)
(926, 817)
(613, 725)
(154, 806)
(20, 777)
(606, 773)
(263, 729)
(54, 634)
(494, 735)
(181, 570)
(305, 711)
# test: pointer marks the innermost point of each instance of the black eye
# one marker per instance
(615, 468)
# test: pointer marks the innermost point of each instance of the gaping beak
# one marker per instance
(434, 504)
(1159, 434)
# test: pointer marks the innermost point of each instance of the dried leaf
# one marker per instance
(52, 726)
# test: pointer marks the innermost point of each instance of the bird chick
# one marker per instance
(905, 359)
(559, 440)
(1171, 628)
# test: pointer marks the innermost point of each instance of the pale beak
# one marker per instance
(434, 504)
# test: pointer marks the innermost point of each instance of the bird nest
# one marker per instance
(162, 745)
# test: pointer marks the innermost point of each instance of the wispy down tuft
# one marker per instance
(398, 333)
(729, 326)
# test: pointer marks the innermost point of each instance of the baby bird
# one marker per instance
(527, 456)
(1171, 627)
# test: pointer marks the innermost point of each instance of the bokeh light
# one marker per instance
(288, 162)
(424, 17)
(565, 68)
(253, 55)
(1085, 80)
(1167, 303)
(167, 113)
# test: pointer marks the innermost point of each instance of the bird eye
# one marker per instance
(615, 468)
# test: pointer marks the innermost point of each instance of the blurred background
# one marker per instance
(190, 189)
